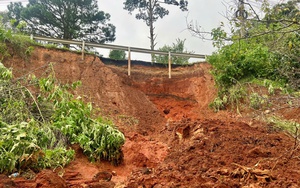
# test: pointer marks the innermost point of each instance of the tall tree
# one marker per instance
(15, 12)
(4, 18)
(150, 11)
(65, 19)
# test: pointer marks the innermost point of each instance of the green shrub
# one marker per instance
(291, 127)
(35, 131)
(53, 158)
(25, 145)
(117, 54)
(102, 142)
(242, 60)
(98, 138)
(257, 101)
(177, 47)
(218, 103)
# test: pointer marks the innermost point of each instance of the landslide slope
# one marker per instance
(172, 138)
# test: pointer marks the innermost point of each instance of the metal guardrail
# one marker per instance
(118, 47)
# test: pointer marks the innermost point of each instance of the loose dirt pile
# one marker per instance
(172, 138)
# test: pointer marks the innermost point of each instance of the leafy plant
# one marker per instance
(218, 103)
(42, 18)
(257, 101)
(177, 47)
(37, 138)
(23, 145)
(230, 97)
(117, 54)
(242, 60)
(21, 44)
(102, 142)
(53, 158)
(151, 11)
(290, 126)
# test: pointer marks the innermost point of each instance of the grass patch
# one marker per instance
(290, 126)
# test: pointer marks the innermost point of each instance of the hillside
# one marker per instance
(173, 139)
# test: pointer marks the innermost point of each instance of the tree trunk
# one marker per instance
(152, 35)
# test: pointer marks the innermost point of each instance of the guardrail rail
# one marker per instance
(118, 47)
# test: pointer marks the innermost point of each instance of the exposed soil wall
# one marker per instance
(173, 139)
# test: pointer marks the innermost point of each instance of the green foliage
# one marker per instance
(177, 47)
(218, 36)
(291, 127)
(11, 106)
(268, 51)
(148, 10)
(35, 131)
(20, 44)
(218, 103)
(73, 117)
(81, 20)
(257, 101)
(117, 54)
(242, 60)
(53, 158)
(102, 142)
(279, 31)
(4, 35)
(24, 140)
(14, 12)
(23, 145)
(4, 18)
(151, 11)
(5, 74)
(230, 97)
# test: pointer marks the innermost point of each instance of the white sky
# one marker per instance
(132, 32)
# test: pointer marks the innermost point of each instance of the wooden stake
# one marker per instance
(169, 64)
(129, 61)
(83, 46)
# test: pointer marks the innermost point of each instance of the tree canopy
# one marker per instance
(177, 47)
(151, 10)
(65, 19)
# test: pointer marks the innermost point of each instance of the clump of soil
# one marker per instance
(173, 139)
(224, 153)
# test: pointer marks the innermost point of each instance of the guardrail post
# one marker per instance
(83, 46)
(129, 61)
(170, 64)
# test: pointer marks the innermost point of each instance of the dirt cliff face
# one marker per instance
(100, 85)
(172, 138)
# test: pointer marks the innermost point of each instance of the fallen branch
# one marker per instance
(246, 173)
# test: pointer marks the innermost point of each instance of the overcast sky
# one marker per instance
(132, 32)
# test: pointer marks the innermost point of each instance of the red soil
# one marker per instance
(173, 139)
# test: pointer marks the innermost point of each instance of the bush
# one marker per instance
(102, 142)
(98, 138)
(35, 131)
(242, 60)
(117, 54)
(177, 47)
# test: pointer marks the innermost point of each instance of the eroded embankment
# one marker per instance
(173, 138)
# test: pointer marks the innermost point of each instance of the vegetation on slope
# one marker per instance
(40, 118)
(261, 51)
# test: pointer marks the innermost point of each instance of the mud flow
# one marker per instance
(173, 138)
